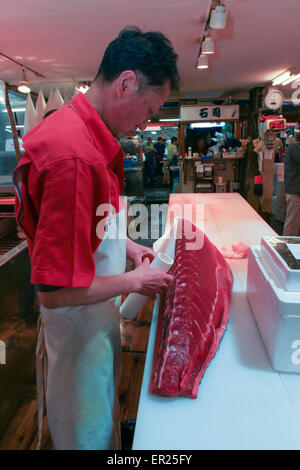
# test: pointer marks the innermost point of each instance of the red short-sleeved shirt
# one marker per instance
(71, 165)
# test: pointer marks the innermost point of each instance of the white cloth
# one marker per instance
(83, 349)
(40, 107)
(55, 101)
(49, 102)
(30, 115)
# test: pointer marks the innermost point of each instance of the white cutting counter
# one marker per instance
(242, 402)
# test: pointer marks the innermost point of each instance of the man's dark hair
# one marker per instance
(159, 138)
(48, 113)
(174, 139)
(150, 53)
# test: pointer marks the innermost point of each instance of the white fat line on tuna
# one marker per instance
(167, 349)
(217, 293)
(199, 328)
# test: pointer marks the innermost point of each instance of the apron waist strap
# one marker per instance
(41, 378)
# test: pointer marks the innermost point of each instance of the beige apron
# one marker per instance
(79, 360)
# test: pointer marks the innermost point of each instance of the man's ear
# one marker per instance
(127, 84)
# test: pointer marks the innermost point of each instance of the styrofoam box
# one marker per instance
(276, 310)
(289, 277)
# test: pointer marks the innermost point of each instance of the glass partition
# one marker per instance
(8, 160)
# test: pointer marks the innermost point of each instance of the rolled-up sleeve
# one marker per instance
(64, 241)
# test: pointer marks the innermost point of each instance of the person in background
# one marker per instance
(68, 185)
(172, 148)
(160, 150)
(172, 153)
(290, 139)
(278, 148)
(150, 154)
(164, 143)
(292, 187)
(201, 146)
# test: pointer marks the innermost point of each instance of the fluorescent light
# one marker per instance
(218, 17)
(152, 128)
(204, 125)
(291, 79)
(281, 78)
(208, 46)
(15, 110)
(202, 62)
(168, 120)
(17, 127)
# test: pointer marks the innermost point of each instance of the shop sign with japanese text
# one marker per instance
(209, 112)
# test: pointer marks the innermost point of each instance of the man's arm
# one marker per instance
(143, 280)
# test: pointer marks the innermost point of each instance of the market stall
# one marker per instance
(216, 169)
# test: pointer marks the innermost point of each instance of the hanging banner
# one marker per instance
(209, 112)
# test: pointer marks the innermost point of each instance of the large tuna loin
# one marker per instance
(192, 317)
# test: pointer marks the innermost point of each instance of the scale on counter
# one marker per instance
(273, 292)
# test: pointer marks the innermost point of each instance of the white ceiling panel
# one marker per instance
(65, 39)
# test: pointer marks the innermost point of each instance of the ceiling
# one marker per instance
(65, 40)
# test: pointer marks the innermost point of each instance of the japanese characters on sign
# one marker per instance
(209, 112)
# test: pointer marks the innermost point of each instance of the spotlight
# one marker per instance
(202, 62)
(208, 46)
(24, 86)
(82, 88)
(218, 17)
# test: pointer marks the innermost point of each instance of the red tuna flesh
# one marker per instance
(192, 318)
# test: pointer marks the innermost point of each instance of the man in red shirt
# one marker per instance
(68, 185)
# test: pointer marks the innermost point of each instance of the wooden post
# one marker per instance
(251, 166)
(12, 124)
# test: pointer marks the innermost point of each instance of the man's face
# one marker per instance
(136, 110)
(201, 144)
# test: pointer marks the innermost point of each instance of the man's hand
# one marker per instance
(142, 280)
(137, 253)
(149, 281)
